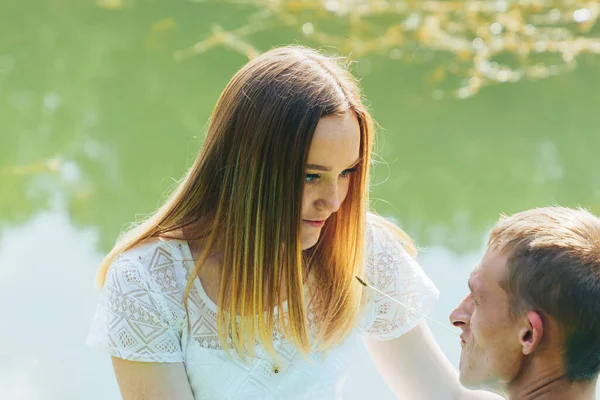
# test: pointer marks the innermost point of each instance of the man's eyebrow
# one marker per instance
(324, 168)
(470, 286)
(475, 293)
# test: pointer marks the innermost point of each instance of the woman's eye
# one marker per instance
(347, 172)
(311, 177)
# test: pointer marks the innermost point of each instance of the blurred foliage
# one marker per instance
(490, 41)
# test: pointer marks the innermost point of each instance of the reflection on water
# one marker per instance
(46, 298)
(486, 42)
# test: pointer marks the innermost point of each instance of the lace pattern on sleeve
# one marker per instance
(395, 272)
(137, 318)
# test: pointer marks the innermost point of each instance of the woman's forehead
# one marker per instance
(336, 140)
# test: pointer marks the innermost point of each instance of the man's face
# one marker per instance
(491, 349)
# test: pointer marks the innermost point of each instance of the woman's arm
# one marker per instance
(415, 367)
(151, 381)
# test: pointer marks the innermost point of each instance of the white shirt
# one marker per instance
(140, 317)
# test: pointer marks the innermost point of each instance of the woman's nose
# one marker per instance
(330, 198)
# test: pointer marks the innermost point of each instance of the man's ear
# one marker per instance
(531, 336)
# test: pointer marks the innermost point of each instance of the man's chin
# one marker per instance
(465, 378)
(469, 383)
(473, 383)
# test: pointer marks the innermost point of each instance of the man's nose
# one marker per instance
(461, 316)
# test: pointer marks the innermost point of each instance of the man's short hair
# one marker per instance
(553, 261)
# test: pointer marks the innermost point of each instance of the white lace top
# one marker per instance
(140, 317)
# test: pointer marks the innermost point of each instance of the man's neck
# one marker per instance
(551, 385)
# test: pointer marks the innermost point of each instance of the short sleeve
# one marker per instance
(393, 271)
(133, 318)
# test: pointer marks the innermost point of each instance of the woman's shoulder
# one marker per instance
(382, 234)
(140, 314)
(392, 269)
(156, 250)
(155, 264)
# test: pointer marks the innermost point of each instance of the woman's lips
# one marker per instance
(316, 224)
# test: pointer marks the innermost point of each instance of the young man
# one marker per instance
(531, 324)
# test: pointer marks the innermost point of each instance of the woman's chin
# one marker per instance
(309, 241)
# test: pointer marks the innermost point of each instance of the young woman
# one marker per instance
(242, 285)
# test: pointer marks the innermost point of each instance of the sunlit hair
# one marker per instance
(243, 197)
(553, 260)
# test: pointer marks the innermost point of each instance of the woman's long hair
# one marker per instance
(244, 191)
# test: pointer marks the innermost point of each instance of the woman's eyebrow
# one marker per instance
(324, 168)
(318, 167)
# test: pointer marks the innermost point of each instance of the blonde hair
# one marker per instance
(246, 187)
(553, 267)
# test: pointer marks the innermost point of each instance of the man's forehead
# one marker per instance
(489, 272)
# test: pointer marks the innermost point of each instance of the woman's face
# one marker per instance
(333, 154)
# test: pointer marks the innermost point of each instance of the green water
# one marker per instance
(97, 120)
(95, 108)
(96, 111)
